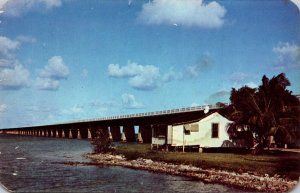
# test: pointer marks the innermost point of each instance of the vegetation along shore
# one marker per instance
(271, 172)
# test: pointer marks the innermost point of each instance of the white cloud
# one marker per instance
(145, 81)
(129, 102)
(3, 108)
(4, 63)
(8, 46)
(15, 8)
(140, 77)
(184, 13)
(288, 54)
(52, 73)
(26, 39)
(46, 84)
(172, 75)
(55, 69)
(297, 3)
(13, 75)
(14, 78)
(130, 70)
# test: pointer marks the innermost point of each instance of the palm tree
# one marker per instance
(267, 110)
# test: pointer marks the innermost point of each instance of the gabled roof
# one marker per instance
(199, 119)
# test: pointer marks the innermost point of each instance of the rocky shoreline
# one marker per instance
(245, 181)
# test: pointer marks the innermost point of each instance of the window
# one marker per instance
(215, 130)
(195, 128)
(187, 129)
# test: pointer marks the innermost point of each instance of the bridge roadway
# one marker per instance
(85, 129)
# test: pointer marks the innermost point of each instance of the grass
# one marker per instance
(285, 164)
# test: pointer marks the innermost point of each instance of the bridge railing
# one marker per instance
(154, 113)
(163, 112)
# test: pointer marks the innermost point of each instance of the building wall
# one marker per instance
(202, 137)
(205, 130)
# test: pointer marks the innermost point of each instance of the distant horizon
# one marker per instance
(68, 60)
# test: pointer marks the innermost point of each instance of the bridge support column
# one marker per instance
(89, 135)
(123, 137)
(139, 137)
(66, 133)
(70, 134)
(78, 134)
(115, 132)
(110, 135)
(128, 130)
(74, 133)
(63, 133)
(146, 133)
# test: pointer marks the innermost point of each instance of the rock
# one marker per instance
(119, 157)
(276, 176)
(266, 175)
(148, 161)
(261, 179)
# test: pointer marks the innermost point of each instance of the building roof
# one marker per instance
(200, 118)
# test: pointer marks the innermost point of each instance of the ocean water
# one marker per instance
(34, 164)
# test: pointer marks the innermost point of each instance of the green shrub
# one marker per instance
(101, 142)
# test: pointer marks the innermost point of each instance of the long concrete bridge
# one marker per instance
(145, 122)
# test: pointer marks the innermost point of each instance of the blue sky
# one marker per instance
(67, 60)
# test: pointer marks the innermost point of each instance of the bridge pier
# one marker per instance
(139, 137)
(146, 133)
(84, 132)
(70, 136)
(74, 133)
(78, 134)
(110, 135)
(128, 130)
(89, 136)
(63, 133)
(115, 132)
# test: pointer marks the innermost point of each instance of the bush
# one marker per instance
(101, 142)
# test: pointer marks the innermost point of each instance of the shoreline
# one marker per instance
(243, 181)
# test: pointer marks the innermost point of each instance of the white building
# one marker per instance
(209, 131)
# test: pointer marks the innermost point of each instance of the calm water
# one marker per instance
(40, 172)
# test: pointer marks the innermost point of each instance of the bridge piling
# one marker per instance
(89, 136)
(146, 133)
(115, 132)
(78, 134)
(128, 130)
